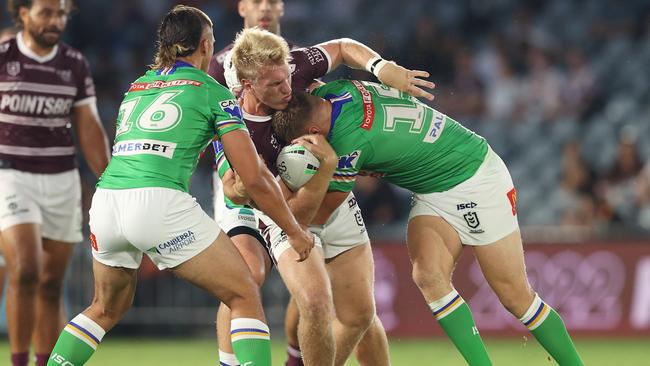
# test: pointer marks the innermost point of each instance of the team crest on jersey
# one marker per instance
(231, 107)
(65, 75)
(350, 160)
(13, 68)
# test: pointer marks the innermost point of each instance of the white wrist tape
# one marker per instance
(375, 64)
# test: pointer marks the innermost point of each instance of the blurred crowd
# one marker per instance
(559, 88)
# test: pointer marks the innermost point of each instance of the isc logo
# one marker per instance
(464, 206)
(60, 360)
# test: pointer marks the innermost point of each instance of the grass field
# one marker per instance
(504, 352)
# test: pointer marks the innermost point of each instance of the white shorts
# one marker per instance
(482, 209)
(166, 224)
(234, 220)
(343, 231)
(50, 200)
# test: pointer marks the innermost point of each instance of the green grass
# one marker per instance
(504, 352)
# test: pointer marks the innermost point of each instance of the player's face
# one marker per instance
(265, 14)
(273, 86)
(45, 21)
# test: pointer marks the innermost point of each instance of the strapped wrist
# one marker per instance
(375, 64)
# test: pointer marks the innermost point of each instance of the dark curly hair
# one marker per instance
(179, 34)
(13, 7)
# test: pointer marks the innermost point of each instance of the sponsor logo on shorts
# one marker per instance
(359, 218)
(150, 147)
(177, 243)
(471, 218)
(14, 209)
(93, 242)
(512, 197)
(245, 218)
(465, 206)
(352, 202)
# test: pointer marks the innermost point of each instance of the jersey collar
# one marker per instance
(337, 102)
(169, 71)
(25, 50)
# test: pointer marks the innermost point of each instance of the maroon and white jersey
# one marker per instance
(38, 96)
(216, 69)
(306, 65)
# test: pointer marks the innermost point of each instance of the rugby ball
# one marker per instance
(296, 165)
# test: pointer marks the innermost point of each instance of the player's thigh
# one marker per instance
(56, 256)
(23, 252)
(352, 277)
(220, 270)
(503, 266)
(307, 281)
(433, 243)
(254, 253)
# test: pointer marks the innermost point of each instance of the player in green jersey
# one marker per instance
(167, 118)
(463, 195)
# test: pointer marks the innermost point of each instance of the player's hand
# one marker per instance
(302, 241)
(408, 81)
(322, 150)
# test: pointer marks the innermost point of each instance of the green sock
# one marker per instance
(455, 318)
(77, 342)
(251, 341)
(548, 328)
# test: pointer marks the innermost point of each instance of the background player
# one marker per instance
(463, 195)
(167, 118)
(46, 89)
(260, 62)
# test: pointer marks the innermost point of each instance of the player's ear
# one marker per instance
(314, 130)
(281, 8)
(246, 83)
(23, 14)
(241, 8)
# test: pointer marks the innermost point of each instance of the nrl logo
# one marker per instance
(13, 68)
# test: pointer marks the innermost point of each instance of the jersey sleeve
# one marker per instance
(220, 159)
(85, 84)
(216, 70)
(227, 114)
(310, 63)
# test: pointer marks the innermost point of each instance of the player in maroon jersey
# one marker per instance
(268, 82)
(265, 14)
(46, 89)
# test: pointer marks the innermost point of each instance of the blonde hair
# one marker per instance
(255, 48)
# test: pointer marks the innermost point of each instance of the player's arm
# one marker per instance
(304, 203)
(263, 189)
(92, 137)
(359, 56)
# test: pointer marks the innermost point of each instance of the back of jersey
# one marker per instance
(165, 121)
(391, 134)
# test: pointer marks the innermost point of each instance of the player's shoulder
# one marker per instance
(221, 55)
(332, 87)
(71, 54)
(6, 47)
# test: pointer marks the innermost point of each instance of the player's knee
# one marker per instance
(516, 299)
(50, 288)
(259, 276)
(25, 278)
(112, 312)
(429, 277)
(314, 306)
(361, 318)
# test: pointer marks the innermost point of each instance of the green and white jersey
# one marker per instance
(381, 131)
(167, 118)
